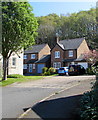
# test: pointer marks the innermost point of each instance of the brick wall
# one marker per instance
(53, 59)
(82, 48)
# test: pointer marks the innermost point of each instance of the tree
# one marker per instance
(91, 56)
(18, 29)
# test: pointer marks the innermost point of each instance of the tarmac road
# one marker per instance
(18, 96)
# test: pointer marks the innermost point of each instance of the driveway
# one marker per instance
(18, 96)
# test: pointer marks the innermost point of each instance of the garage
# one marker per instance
(39, 67)
(84, 64)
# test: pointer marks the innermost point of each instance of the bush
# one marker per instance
(89, 104)
(15, 76)
(44, 69)
(47, 73)
(89, 71)
(52, 70)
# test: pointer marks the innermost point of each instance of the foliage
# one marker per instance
(91, 56)
(89, 104)
(20, 80)
(89, 71)
(18, 29)
(52, 70)
(47, 73)
(75, 25)
(15, 76)
(44, 70)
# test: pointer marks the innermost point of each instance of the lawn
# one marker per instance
(19, 80)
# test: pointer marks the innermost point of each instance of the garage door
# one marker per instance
(84, 64)
(39, 68)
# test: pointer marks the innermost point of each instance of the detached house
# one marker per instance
(35, 58)
(67, 52)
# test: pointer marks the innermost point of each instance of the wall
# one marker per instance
(66, 54)
(53, 59)
(44, 51)
(82, 48)
(18, 69)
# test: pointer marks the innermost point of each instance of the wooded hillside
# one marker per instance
(76, 25)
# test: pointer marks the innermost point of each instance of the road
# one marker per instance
(18, 96)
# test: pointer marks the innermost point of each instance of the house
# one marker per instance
(35, 58)
(69, 51)
(15, 63)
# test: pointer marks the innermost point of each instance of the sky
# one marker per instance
(45, 8)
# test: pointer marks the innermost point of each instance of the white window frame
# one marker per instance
(71, 53)
(32, 56)
(25, 57)
(34, 66)
(13, 62)
(57, 54)
(57, 64)
(24, 66)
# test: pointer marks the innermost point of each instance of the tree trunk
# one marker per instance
(5, 60)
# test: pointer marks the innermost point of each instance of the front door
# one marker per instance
(30, 68)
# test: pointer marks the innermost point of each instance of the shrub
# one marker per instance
(15, 76)
(47, 73)
(89, 104)
(52, 70)
(89, 71)
(44, 69)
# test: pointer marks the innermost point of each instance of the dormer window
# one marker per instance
(57, 54)
(70, 53)
(32, 56)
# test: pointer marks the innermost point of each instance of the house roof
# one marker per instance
(68, 60)
(70, 43)
(31, 61)
(35, 48)
(80, 60)
(44, 59)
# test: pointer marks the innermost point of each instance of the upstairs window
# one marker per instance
(13, 61)
(25, 57)
(32, 56)
(57, 54)
(70, 53)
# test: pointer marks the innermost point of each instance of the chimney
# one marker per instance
(57, 38)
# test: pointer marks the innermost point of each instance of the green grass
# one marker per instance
(20, 80)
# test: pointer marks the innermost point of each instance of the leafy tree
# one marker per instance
(18, 29)
(75, 25)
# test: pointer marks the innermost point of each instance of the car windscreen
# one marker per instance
(61, 69)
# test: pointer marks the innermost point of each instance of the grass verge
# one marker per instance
(20, 80)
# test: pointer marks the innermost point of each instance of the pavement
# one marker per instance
(63, 104)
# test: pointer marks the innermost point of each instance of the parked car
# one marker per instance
(76, 70)
(63, 71)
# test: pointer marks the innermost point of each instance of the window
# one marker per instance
(25, 57)
(32, 56)
(57, 64)
(57, 54)
(14, 61)
(25, 66)
(33, 66)
(70, 53)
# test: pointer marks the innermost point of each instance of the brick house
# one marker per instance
(69, 51)
(35, 58)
